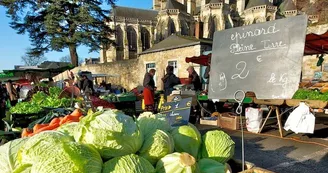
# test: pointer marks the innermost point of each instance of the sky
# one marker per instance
(13, 45)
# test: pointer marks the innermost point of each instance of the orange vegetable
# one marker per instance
(55, 121)
(26, 132)
(69, 118)
(77, 113)
(39, 126)
(50, 127)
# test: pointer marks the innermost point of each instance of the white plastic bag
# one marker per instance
(253, 119)
(301, 120)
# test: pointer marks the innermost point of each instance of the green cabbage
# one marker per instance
(149, 123)
(177, 163)
(8, 155)
(56, 152)
(158, 145)
(112, 133)
(68, 128)
(187, 139)
(211, 166)
(128, 164)
(218, 146)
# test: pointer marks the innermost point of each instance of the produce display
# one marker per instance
(129, 96)
(41, 100)
(305, 94)
(111, 142)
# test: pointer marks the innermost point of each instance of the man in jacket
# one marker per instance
(170, 80)
(194, 79)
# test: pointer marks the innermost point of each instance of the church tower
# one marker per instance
(258, 11)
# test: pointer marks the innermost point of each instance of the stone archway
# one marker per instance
(184, 28)
(145, 38)
(171, 27)
(132, 42)
(119, 43)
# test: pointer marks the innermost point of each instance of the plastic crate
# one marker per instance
(127, 98)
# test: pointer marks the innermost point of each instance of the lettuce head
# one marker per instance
(8, 155)
(211, 166)
(187, 139)
(217, 145)
(177, 163)
(149, 123)
(68, 128)
(128, 164)
(56, 152)
(112, 133)
(158, 145)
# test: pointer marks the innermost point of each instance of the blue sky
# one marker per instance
(13, 46)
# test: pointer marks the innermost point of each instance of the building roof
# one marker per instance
(173, 4)
(287, 5)
(134, 13)
(174, 42)
(254, 3)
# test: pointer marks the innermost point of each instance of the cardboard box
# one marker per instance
(209, 122)
(230, 121)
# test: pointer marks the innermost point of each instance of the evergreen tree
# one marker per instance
(54, 25)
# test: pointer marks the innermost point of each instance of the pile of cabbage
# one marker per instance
(112, 142)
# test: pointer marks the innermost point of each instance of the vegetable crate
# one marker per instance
(127, 98)
(230, 121)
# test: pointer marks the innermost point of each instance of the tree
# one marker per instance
(54, 25)
(68, 59)
(30, 60)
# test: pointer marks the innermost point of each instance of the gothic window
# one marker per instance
(132, 38)
(119, 38)
(171, 27)
(184, 28)
(145, 39)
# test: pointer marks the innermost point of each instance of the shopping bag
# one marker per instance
(253, 119)
(301, 120)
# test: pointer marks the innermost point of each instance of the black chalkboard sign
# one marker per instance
(265, 58)
(177, 112)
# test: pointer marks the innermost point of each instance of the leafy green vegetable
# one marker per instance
(187, 139)
(53, 151)
(128, 164)
(304, 94)
(149, 123)
(54, 92)
(112, 133)
(156, 146)
(211, 166)
(26, 108)
(177, 163)
(68, 128)
(39, 97)
(8, 155)
(218, 146)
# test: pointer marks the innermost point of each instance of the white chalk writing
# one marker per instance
(241, 66)
(282, 81)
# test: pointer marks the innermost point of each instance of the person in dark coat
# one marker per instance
(149, 90)
(170, 80)
(194, 79)
(207, 71)
(3, 98)
(86, 85)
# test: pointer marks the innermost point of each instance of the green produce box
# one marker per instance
(126, 98)
(246, 100)
(202, 97)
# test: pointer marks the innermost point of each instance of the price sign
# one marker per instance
(264, 58)
(177, 112)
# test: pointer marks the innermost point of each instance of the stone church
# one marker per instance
(139, 29)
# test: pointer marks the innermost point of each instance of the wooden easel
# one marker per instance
(272, 109)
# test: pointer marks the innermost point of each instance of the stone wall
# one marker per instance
(131, 72)
(310, 67)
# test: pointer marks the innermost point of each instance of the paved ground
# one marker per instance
(282, 155)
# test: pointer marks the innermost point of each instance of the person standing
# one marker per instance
(3, 98)
(12, 93)
(194, 78)
(149, 89)
(170, 80)
(86, 85)
(207, 71)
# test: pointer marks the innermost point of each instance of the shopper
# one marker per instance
(86, 85)
(12, 93)
(207, 71)
(149, 88)
(194, 79)
(170, 80)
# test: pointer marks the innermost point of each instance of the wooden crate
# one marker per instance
(230, 121)
(315, 104)
(209, 122)
(269, 102)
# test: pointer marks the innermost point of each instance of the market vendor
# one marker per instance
(149, 88)
(12, 93)
(86, 85)
(170, 80)
(194, 78)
